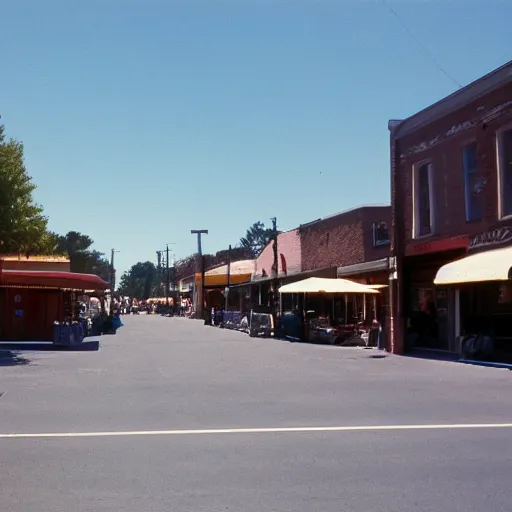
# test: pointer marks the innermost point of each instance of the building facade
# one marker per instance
(451, 182)
(355, 243)
(352, 245)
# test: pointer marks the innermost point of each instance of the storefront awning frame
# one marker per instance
(493, 265)
(49, 279)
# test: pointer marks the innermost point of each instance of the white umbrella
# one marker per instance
(324, 285)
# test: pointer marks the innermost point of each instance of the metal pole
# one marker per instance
(200, 294)
(167, 277)
(159, 271)
(112, 280)
(226, 291)
(275, 270)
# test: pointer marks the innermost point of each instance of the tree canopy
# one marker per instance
(23, 226)
(256, 238)
(77, 247)
(140, 281)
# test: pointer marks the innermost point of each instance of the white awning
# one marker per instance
(324, 285)
(492, 265)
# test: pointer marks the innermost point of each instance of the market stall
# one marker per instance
(32, 303)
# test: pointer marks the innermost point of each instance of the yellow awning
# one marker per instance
(325, 285)
(222, 279)
(492, 265)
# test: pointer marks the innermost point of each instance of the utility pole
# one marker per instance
(226, 291)
(275, 270)
(159, 267)
(200, 265)
(167, 276)
(112, 279)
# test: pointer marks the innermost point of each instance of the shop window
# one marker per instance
(472, 183)
(504, 147)
(380, 234)
(423, 204)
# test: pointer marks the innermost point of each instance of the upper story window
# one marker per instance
(472, 183)
(423, 200)
(380, 234)
(504, 147)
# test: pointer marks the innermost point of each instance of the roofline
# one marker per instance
(344, 212)
(476, 89)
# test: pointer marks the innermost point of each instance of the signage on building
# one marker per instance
(444, 244)
(498, 236)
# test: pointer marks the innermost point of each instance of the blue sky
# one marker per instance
(145, 119)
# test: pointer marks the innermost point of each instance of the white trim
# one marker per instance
(415, 203)
(499, 167)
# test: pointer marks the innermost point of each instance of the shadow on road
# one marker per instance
(85, 346)
(12, 358)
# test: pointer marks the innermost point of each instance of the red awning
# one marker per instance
(68, 280)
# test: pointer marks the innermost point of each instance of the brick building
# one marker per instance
(353, 243)
(451, 183)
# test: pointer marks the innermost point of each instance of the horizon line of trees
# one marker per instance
(23, 224)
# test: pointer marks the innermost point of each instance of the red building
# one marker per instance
(353, 244)
(451, 183)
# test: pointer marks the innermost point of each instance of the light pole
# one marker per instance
(200, 265)
(228, 281)
(167, 273)
(112, 279)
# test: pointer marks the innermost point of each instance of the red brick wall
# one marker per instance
(343, 239)
(442, 142)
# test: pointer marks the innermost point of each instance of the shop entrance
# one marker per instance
(429, 309)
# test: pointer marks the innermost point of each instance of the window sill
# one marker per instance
(423, 237)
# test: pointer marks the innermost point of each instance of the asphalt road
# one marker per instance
(186, 381)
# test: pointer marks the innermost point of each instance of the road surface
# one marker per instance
(170, 415)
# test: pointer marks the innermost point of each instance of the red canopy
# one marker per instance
(69, 280)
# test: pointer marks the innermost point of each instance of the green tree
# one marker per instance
(256, 239)
(140, 281)
(83, 259)
(74, 243)
(23, 226)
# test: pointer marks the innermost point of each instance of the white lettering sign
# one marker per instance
(495, 237)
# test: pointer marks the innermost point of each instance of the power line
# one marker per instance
(420, 44)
